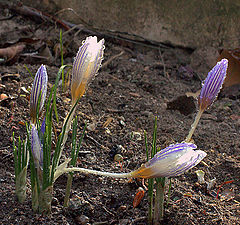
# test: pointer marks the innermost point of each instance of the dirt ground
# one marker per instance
(129, 91)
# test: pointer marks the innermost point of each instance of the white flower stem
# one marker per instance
(96, 172)
(194, 125)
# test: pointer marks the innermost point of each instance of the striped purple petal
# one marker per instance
(175, 160)
(212, 84)
(39, 86)
(86, 64)
(172, 149)
(36, 147)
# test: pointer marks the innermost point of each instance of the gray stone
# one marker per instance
(179, 22)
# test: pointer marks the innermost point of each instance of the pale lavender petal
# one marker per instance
(170, 150)
(174, 160)
(212, 84)
(182, 168)
(39, 86)
(86, 64)
(36, 147)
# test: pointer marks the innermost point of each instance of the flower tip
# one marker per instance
(172, 161)
(86, 65)
(213, 84)
(39, 87)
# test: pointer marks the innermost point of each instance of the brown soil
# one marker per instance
(131, 90)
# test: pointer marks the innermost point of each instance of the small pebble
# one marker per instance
(122, 208)
(83, 220)
(3, 96)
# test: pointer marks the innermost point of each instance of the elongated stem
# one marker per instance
(159, 202)
(67, 123)
(194, 125)
(96, 172)
(150, 200)
(68, 190)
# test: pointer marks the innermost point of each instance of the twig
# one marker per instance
(226, 182)
(95, 141)
(34, 14)
(137, 220)
(111, 59)
(7, 18)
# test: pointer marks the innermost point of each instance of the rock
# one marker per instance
(83, 220)
(193, 24)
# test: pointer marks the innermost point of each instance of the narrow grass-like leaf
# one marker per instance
(146, 145)
(29, 71)
(74, 135)
(60, 143)
(151, 180)
(61, 51)
(169, 190)
(15, 157)
(55, 89)
(73, 162)
(19, 154)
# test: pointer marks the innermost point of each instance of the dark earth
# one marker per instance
(135, 84)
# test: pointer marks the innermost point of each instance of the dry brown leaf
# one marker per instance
(108, 121)
(192, 94)
(233, 71)
(134, 94)
(3, 96)
(10, 52)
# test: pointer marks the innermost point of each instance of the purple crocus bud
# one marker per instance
(86, 64)
(39, 86)
(36, 147)
(172, 161)
(212, 84)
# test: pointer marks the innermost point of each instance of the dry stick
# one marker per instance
(68, 126)
(40, 16)
(33, 13)
(111, 59)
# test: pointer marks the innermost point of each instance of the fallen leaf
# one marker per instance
(21, 123)
(225, 182)
(108, 121)
(25, 90)
(3, 96)
(11, 77)
(235, 117)
(10, 52)
(184, 104)
(192, 94)
(135, 94)
(232, 92)
(233, 71)
(138, 197)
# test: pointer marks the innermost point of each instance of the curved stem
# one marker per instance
(194, 125)
(96, 172)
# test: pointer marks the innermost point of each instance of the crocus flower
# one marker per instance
(36, 147)
(171, 161)
(39, 86)
(86, 64)
(212, 84)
